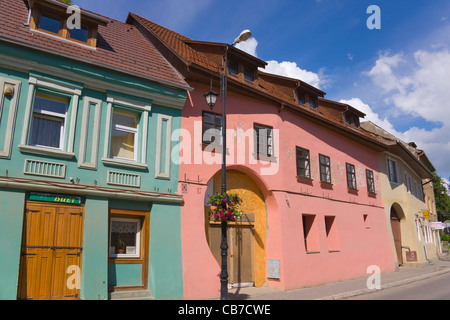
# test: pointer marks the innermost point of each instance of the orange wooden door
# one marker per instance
(52, 242)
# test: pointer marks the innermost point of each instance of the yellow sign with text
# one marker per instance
(426, 213)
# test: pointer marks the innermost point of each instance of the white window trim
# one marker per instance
(158, 173)
(11, 117)
(67, 150)
(56, 117)
(144, 109)
(135, 131)
(138, 238)
(97, 104)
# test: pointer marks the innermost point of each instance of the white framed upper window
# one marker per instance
(124, 135)
(48, 121)
(50, 118)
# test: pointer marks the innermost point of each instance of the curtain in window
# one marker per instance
(46, 132)
(123, 135)
(122, 144)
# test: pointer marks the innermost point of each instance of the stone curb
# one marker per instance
(385, 286)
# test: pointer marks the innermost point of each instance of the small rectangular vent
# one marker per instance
(124, 179)
(45, 169)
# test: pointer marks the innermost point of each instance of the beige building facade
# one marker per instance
(408, 198)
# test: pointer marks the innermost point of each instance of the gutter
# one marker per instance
(413, 157)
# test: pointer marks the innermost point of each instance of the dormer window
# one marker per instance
(81, 34)
(307, 99)
(232, 67)
(242, 70)
(51, 17)
(351, 120)
(49, 24)
(312, 102)
(301, 98)
(249, 74)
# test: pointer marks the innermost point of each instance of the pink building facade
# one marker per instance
(313, 211)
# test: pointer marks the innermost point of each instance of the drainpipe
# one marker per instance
(426, 257)
(29, 13)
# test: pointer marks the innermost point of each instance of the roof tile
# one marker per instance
(119, 46)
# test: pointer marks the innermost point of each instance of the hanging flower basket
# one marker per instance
(225, 207)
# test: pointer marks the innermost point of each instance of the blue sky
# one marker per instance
(398, 75)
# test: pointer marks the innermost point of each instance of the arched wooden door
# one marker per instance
(397, 235)
(246, 237)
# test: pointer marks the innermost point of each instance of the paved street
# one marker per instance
(429, 282)
(435, 288)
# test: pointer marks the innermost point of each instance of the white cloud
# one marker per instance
(417, 85)
(371, 115)
(382, 73)
(435, 142)
(248, 46)
(291, 70)
(285, 68)
(421, 89)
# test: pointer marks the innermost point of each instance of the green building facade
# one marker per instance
(88, 192)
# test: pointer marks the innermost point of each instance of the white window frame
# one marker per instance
(136, 220)
(51, 116)
(66, 152)
(144, 110)
(122, 128)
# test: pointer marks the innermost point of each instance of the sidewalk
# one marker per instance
(345, 289)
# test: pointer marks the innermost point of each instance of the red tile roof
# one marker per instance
(178, 45)
(120, 46)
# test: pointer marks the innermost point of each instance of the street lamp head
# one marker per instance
(244, 36)
(211, 98)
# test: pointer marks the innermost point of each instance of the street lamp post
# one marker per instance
(211, 98)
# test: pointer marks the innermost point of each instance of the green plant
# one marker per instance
(445, 237)
(225, 206)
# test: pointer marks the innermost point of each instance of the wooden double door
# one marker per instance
(50, 264)
(240, 240)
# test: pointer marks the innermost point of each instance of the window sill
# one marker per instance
(124, 163)
(262, 157)
(304, 180)
(352, 191)
(333, 251)
(46, 152)
(326, 185)
(372, 194)
(312, 252)
(213, 148)
(125, 260)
